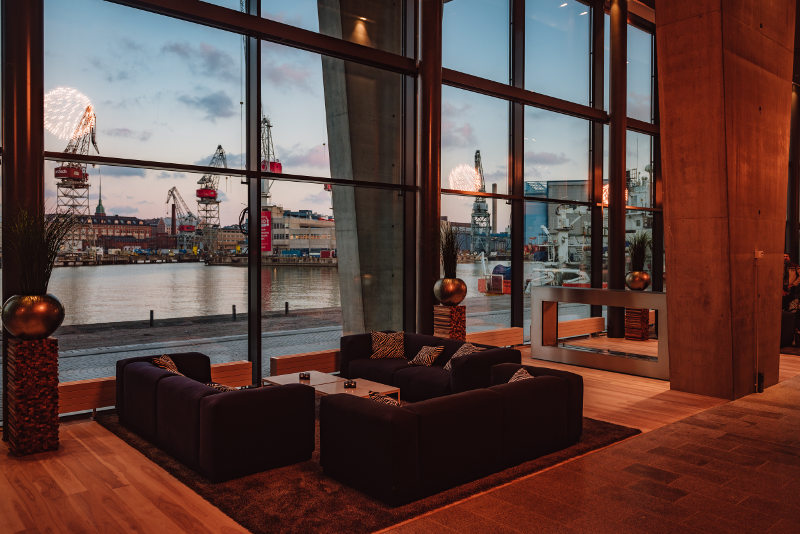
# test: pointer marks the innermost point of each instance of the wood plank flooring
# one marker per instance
(98, 483)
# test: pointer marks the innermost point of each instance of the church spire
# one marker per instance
(100, 211)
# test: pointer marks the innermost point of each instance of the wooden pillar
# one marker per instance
(617, 131)
(724, 74)
(430, 161)
(23, 133)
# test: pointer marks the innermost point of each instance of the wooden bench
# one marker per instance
(502, 337)
(324, 361)
(81, 395)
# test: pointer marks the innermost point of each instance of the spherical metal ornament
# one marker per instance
(32, 316)
(637, 280)
(450, 291)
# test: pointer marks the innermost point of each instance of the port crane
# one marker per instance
(208, 201)
(72, 186)
(269, 162)
(481, 219)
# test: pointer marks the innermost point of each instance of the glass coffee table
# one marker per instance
(328, 384)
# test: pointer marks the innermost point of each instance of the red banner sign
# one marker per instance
(266, 231)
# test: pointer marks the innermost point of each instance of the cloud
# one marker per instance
(639, 106)
(457, 135)
(109, 73)
(316, 156)
(143, 135)
(206, 60)
(450, 109)
(278, 72)
(323, 197)
(545, 158)
(110, 170)
(121, 210)
(216, 105)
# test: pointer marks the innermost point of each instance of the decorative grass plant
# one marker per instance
(637, 248)
(36, 241)
(450, 248)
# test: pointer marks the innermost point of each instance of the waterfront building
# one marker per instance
(301, 232)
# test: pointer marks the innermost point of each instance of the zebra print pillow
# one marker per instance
(521, 374)
(463, 350)
(166, 363)
(220, 387)
(383, 399)
(426, 356)
(387, 345)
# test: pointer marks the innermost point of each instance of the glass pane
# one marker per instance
(558, 49)
(474, 128)
(639, 222)
(475, 38)
(230, 4)
(556, 155)
(327, 117)
(378, 23)
(128, 259)
(334, 261)
(639, 169)
(160, 88)
(606, 61)
(484, 226)
(558, 240)
(640, 74)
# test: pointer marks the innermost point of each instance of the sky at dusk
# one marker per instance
(168, 90)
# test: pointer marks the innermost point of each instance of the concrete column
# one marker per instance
(364, 111)
(724, 73)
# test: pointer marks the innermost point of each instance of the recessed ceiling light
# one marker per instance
(585, 13)
(563, 5)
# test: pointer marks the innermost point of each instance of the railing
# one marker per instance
(545, 334)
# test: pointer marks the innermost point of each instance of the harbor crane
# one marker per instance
(481, 219)
(72, 186)
(269, 162)
(208, 201)
(183, 220)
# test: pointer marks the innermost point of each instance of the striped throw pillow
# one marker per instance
(383, 399)
(426, 356)
(166, 363)
(387, 345)
(521, 374)
(463, 350)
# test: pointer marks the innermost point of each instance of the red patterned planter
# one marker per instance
(32, 424)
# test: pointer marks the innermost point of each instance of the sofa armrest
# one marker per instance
(501, 373)
(475, 370)
(353, 347)
(251, 430)
(370, 446)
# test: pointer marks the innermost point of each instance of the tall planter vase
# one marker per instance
(450, 291)
(32, 316)
(637, 280)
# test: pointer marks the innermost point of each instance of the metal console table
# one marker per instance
(544, 329)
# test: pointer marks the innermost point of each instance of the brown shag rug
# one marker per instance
(300, 498)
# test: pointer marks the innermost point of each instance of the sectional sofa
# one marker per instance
(400, 453)
(222, 435)
(418, 383)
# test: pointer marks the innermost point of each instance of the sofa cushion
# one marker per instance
(459, 437)
(426, 355)
(377, 370)
(415, 342)
(220, 387)
(387, 345)
(534, 417)
(463, 350)
(178, 417)
(419, 383)
(141, 382)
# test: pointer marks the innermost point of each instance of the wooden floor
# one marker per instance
(645, 348)
(97, 483)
